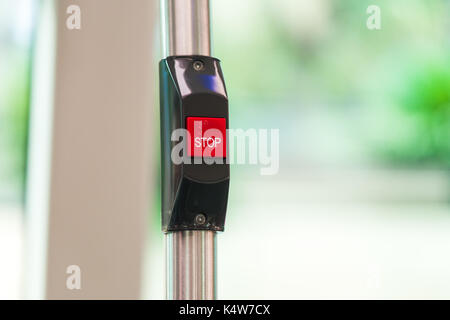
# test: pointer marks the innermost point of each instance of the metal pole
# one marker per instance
(191, 265)
(190, 255)
(185, 27)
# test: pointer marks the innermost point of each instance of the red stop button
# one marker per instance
(207, 137)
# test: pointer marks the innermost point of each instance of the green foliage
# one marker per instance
(424, 105)
(14, 100)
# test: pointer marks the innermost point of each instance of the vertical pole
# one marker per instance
(191, 265)
(185, 27)
(190, 255)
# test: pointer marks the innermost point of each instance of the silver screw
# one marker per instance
(198, 65)
(200, 219)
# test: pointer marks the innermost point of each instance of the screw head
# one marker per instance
(198, 65)
(200, 219)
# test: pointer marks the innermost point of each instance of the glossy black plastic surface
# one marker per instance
(191, 189)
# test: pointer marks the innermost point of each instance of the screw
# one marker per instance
(200, 219)
(198, 65)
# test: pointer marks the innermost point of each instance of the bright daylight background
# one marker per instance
(360, 207)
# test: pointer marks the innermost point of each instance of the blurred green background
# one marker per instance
(364, 119)
(295, 55)
(389, 87)
(15, 63)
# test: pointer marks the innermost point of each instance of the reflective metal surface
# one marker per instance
(190, 255)
(191, 265)
(185, 27)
